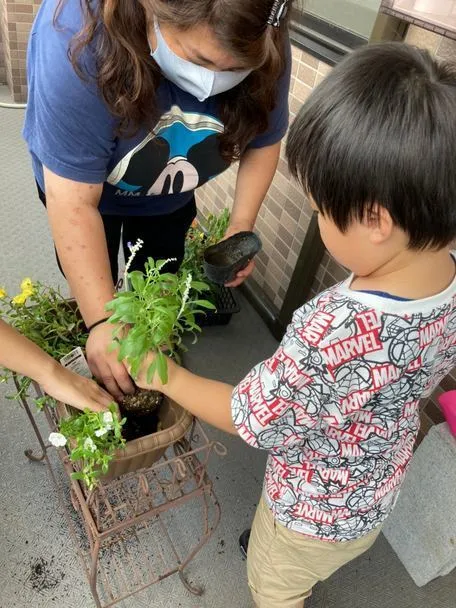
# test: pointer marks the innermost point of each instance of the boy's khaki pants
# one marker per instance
(284, 565)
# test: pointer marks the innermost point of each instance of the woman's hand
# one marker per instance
(105, 365)
(256, 171)
(82, 393)
(247, 271)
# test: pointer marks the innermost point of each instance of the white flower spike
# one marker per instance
(133, 251)
(188, 284)
(57, 440)
(101, 432)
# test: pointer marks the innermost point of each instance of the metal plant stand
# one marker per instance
(124, 528)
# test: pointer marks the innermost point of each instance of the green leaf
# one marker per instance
(151, 371)
(204, 304)
(137, 280)
(162, 367)
(199, 286)
(79, 475)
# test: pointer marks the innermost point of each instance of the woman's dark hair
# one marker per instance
(381, 128)
(128, 77)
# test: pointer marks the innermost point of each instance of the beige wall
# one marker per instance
(285, 215)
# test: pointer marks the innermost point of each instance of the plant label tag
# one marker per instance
(76, 362)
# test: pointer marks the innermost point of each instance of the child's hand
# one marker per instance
(141, 379)
(82, 393)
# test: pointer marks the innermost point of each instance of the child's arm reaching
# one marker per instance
(209, 400)
(19, 354)
(279, 401)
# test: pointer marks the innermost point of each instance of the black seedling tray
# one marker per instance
(227, 305)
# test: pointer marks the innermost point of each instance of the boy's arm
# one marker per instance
(24, 357)
(276, 404)
(209, 400)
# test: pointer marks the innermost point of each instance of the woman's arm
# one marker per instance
(80, 240)
(256, 172)
(20, 355)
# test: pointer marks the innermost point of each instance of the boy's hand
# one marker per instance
(141, 380)
(82, 393)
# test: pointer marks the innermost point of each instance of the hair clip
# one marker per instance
(278, 12)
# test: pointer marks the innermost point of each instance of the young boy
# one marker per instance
(337, 405)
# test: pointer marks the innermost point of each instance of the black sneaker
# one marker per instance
(244, 542)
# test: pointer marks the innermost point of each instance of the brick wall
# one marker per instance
(330, 272)
(284, 216)
(16, 17)
(3, 41)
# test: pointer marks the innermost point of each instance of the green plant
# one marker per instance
(154, 314)
(216, 226)
(93, 438)
(200, 237)
(43, 315)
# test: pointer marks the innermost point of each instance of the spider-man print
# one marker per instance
(337, 406)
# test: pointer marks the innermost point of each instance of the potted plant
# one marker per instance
(199, 237)
(153, 314)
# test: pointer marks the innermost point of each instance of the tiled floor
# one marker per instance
(32, 529)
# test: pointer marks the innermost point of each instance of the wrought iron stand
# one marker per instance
(123, 529)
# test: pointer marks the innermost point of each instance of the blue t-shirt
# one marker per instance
(69, 129)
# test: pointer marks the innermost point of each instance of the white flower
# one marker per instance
(57, 440)
(188, 284)
(163, 263)
(101, 432)
(89, 445)
(133, 251)
(108, 418)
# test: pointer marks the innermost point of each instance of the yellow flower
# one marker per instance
(20, 299)
(28, 292)
(3, 293)
(27, 284)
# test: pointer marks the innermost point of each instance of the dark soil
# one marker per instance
(141, 412)
(43, 576)
(142, 403)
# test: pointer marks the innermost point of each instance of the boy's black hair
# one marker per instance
(382, 128)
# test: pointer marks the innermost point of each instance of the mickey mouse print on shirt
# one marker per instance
(181, 154)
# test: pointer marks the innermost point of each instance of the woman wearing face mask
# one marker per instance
(133, 104)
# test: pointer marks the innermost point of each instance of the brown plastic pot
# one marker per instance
(145, 451)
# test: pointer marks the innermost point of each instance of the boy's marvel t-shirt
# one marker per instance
(337, 406)
(69, 129)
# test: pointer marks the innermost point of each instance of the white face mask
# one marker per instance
(195, 79)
